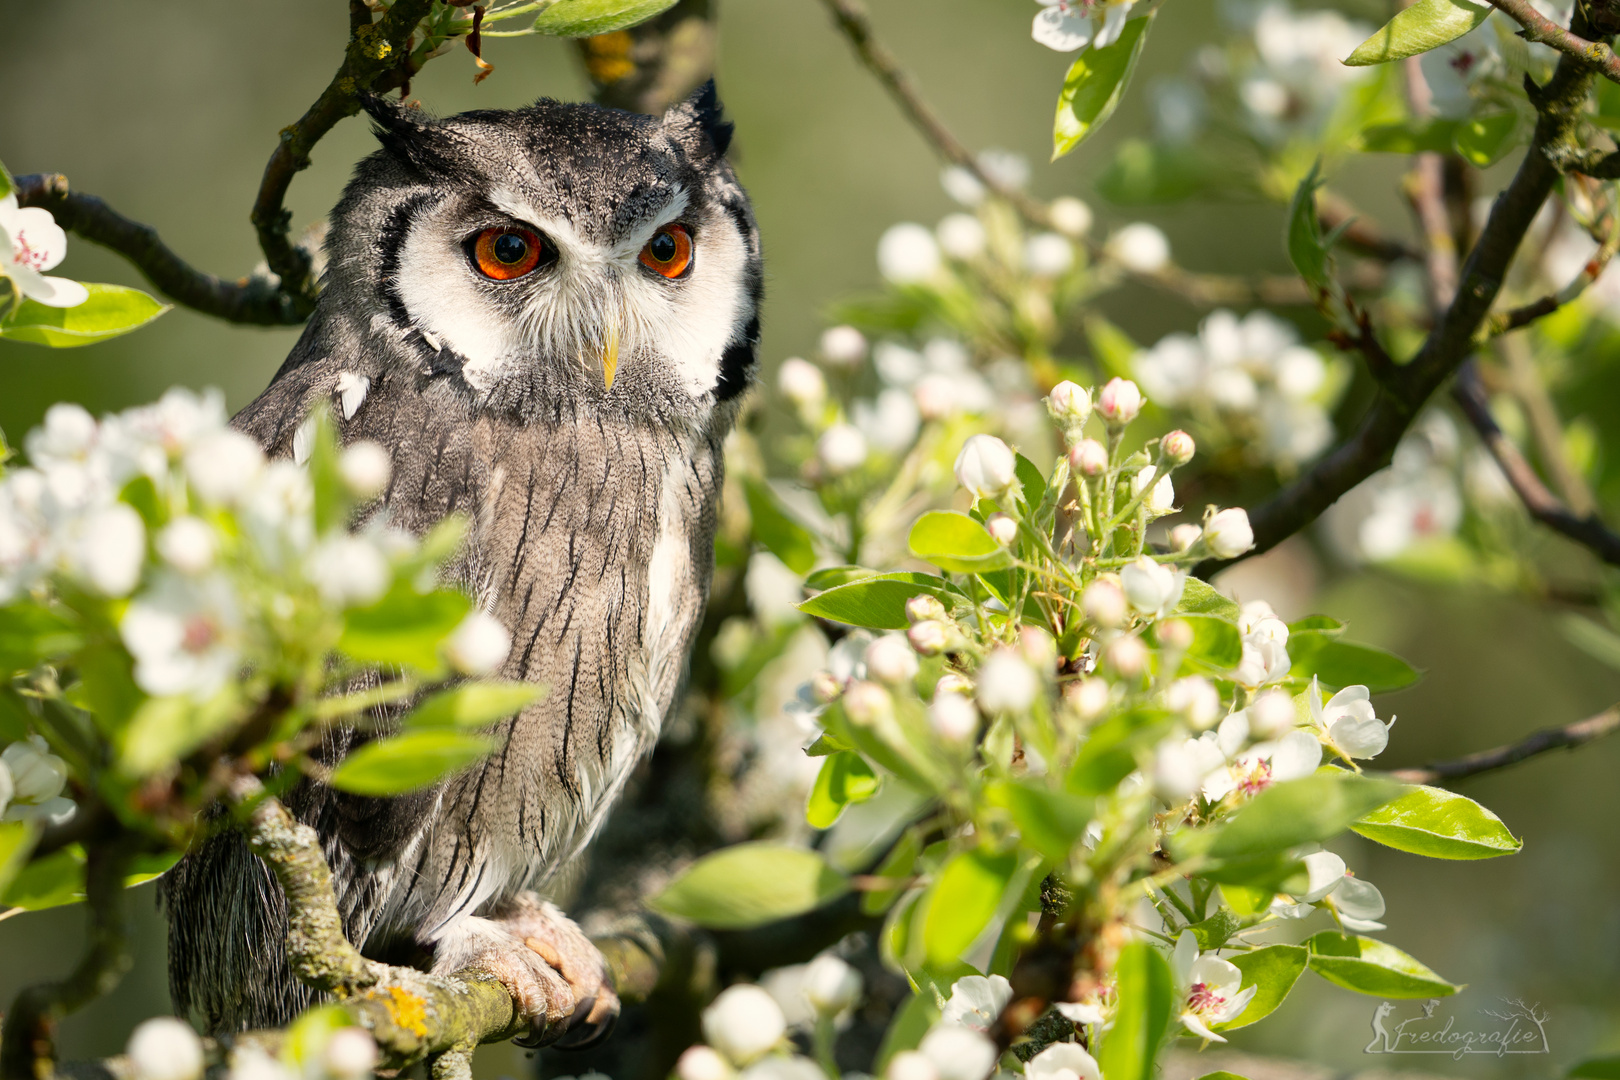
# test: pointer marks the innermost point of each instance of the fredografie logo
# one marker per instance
(1516, 1028)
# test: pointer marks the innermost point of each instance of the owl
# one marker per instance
(548, 316)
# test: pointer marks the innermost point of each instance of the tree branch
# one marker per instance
(1595, 55)
(1400, 397)
(1567, 737)
(256, 299)
(1543, 505)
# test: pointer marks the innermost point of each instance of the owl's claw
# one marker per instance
(556, 977)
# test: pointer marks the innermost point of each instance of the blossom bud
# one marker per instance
(986, 467)
(350, 1054)
(801, 382)
(702, 1063)
(1161, 496)
(1141, 248)
(843, 346)
(478, 646)
(1178, 447)
(221, 465)
(825, 687)
(164, 1048)
(910, 1065)
(959, 1053)
(1151, 588)
(952, 683)
(1104, 601)
(187, 544)
(743, 1023)
(67, 433)
(1007, 684)
(1048, 254)
(1037, 647)
(1195, 698)
(1271, 714)
(831, 985)
(36, 774)
(1183, 537)
(907, 254)
(365, 467)
(1228, 533)
(1070, 216)
(953, 717)
(935, 395)
(841, 449)
(1176, 634)
(1070, 406)
(929, 637)
(866, 702)
(1002, 529)
(961, 236)
(924, 608)
(889, 659)
(1089, 697)
(1119, 402)
(1128, 656)
(1089, 458)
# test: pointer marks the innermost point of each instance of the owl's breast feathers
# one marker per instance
(591, 540)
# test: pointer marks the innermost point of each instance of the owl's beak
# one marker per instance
(610, 354)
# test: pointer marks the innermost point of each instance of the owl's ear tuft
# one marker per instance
(406, 133)
(701, 115)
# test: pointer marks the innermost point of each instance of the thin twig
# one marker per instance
(255, 299)
(1595, 55)
(1567, 737)
(1546, 426)
(1543, 505)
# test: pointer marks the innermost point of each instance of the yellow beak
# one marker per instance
(610, 355)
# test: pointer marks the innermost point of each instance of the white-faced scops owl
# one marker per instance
(548, 317)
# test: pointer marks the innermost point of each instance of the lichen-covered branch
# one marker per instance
(1559, 738)
(255, 299)
(1595, 55)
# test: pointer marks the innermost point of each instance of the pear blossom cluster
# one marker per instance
(1246, 382)
(32, 780)
(165, 1048)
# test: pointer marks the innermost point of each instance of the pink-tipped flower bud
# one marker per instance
(1228, 533)
(825, 687)
(953, 683)
(1183, 537)
(1178, 447)
(953, 717)
(1002, 529)
(1089, 697)
(866, 702)
(924, 608)
(929, 637)
(1089, 458)
(1070, 404)
(1104, 601)
(1119, 402)
(1176, 634)
(889, 659)
(1128, 656)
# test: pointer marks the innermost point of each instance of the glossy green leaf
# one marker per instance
(956, 543)
(781, 535)
(1440, 824)
(1271, 873)
(1341, 663)
(409, 762)
(963, 900)
(1094, 85)
(1145, 1003)
(750, 885)
(1215, 931)
(1049, 822)
(845, 778)
(31, 633)
(52, 881)
(878, 602)
(1425, 25)
(1307, 247)
(1216, 641)
(1110, 752)
(1484, 140)
(17, 839)
(1310, 809)
(584, 18)
(1201, 598)
(1247, 901)
(473, 705)
(110, 311)
(1372, 967)
(1273, 970)
(404, 627)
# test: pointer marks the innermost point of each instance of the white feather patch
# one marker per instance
(304, 441)
(351, 390)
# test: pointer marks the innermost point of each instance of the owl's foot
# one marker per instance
(556, 977)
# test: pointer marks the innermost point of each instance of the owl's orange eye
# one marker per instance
(669, 252)
(504, 254)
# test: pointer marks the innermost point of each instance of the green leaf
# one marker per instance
(911, 1022)
(1440, 824)
(404, 627)
(1048, 821)
(1407, 137)
(1142, 1018)
(1200, 598)
(750, 885)
(1307, 248)
(473, 705)
(1094, 85)
(1144, 173)
(17, 839)
(1215, 931)
(308, 1035)
(1215, 640)
(898, 866)
(164, 730)
(1310, 809)
(409, 762)
(1271, 873)
(845, 778)
(1343, 663)
(1274, 970)
(878, 602)
(52, 881)
(110, 311)
(781, 535)
(1600, 1068)
(31, 634)
(6, 183)
(956, 543)
(1372, 967)
(1031, 481)
(962, 902)
(1485, 140)
(1425, 25)
(583, 18)
(1109, 753)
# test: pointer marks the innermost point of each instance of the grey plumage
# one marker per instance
(592, 497)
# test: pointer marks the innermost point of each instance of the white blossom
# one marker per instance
(908, 254)
(1152, 588)
(1048, 254)
(1070, 216)
(986, 467)
(977, 1001)
(1007, 684)
(953, 717)
(1358, 904)
(1127, 656)
(1208, 987)
(348, 570)
(184, 633)
(164, 1048)
(831, 985)
(1104, 600)
(801, 382)
(1182, 537)
(252, 1063)
(1181, 766)
(1228, 533)
(1295, 755)
(890, 659)
(890, 421)
(479, 646)
(222, 465)
(350, 1054)
(32, 242)
(1140, 247)
(909, 1065)
(1271, 714)
(1264, 661)
(188, 544)
(961, 236)
(365, 467)
(959, 1053)
(1063, 1061)
(1196, 699)
(1161, 495)
(702, 1063)
(1070, 25)
(841, 449)
(109, 549)
(1349, 722)
(743, 1023)
(1002, 529)
(843, 346)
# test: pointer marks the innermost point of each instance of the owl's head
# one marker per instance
(556, 256)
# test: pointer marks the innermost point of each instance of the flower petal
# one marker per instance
(1113, 23)
(1061, 30)
(1193, 1024)
(1325, 871)
(1183, 958)
(57, 292)
(34, 229)
(1360, 738)
(1298, 754)
(1359, 899)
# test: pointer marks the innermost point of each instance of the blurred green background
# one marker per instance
(169, 108)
